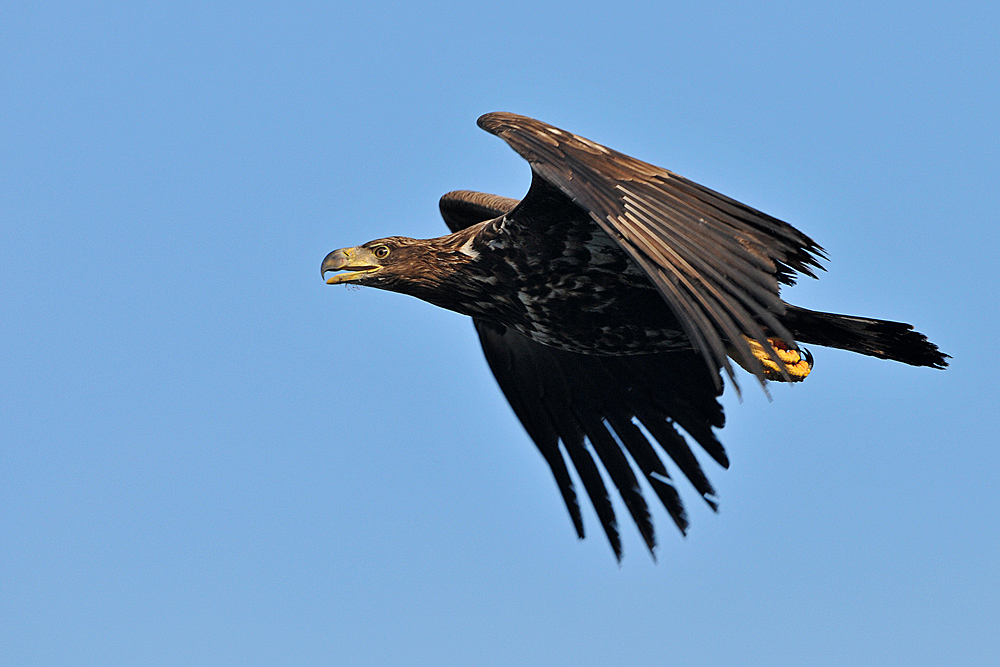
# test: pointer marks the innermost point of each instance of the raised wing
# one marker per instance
(463, 208)
(718, 263)
(564, 397)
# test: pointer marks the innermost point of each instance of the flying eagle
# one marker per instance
(609, 300)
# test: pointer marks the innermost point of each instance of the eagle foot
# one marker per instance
(797, 365)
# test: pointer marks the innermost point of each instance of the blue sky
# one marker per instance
(209, 457)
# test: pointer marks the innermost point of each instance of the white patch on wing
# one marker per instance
(590, 144)
(467, 249)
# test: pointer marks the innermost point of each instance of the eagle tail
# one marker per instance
(876, 338)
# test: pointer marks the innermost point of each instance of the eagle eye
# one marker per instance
(381, 251)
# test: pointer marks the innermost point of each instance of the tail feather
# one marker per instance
(877, 338)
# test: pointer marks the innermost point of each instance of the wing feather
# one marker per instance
(567, 397)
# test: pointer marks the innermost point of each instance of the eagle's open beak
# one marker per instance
(356, 262)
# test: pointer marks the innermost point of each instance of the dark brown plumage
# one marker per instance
(611, 297)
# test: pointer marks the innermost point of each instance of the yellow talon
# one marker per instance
(796, 365)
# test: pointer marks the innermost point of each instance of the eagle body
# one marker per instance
(608, 302)
(572, 288)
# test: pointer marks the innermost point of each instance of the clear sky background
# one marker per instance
(209, 457)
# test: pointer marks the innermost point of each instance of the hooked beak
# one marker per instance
(356, 262)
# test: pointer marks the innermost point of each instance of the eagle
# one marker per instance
(610, 301)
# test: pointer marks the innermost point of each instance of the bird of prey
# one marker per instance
(608, 302)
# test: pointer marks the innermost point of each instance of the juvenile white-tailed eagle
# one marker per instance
(611, 297)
